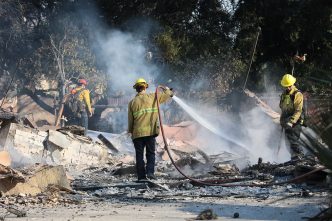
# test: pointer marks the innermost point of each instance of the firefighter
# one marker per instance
(143, 125)
(292, 116)
(83, 109)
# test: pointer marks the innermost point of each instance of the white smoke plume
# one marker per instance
(250, 135)
(124, 54)
(125, 57)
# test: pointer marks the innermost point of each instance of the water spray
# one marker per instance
(220, 182)
(207, 124)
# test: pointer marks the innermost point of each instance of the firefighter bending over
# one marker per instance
(292, 116)
(143, 125)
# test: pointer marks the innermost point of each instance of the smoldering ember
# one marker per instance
(165, 110)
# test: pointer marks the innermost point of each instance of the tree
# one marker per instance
(288, 27)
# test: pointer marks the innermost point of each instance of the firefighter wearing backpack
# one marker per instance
(292, 114)
(81, 105)
(143, 125)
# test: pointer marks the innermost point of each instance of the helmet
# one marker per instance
(82, 81)
(287, 80)
(140, 81)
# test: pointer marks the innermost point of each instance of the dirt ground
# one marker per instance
(275, 208)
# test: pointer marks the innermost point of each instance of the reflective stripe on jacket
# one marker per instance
(291, 105)
(143, 113)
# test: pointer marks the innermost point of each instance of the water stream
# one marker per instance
(205, 123)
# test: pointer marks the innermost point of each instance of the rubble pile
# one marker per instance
(103, 183)
(64, 167)
(268, 170)
(29, 145)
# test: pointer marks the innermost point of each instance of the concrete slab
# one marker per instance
(28, 146)
(36, 183)
(65, 149)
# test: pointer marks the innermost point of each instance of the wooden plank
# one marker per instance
(65, 98)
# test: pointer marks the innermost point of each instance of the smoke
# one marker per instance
(249, 134)
(124, 55)
(125, 58)
(263, 137)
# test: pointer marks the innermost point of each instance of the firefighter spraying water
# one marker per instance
(143, 126)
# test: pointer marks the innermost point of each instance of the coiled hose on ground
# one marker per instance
(222, 183)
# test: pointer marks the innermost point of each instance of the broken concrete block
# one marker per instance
(29, 146)
(37, 183)
(24, 144)
(70, 149)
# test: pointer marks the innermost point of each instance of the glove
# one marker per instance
(172, 92)
(91, 113)
(289, 125)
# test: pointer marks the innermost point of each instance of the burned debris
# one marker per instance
(62, 166)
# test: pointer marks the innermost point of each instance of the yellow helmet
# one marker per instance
(140, 81)
(287, 80)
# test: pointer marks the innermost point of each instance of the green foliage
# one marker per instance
(208, 39)
(288, 27)
(173, 47)
(217, 73)
(170, 46)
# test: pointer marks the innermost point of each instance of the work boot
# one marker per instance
(151, 176)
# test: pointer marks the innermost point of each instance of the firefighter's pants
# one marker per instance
(293, 136)
(150, 144)
(84, 120)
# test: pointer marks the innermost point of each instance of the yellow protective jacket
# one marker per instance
(143, 113)
(84, 96)
(291, 105)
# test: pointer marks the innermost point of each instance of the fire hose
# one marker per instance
(218, 182)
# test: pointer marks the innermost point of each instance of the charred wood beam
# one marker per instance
(108, 143)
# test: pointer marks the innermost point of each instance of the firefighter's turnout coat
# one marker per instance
(291, 105)
(143, 113)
